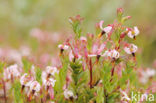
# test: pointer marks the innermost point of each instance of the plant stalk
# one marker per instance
(4, 90)
(90, 68)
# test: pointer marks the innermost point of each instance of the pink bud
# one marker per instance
(102, 46)
(122, 35)
(51, 92)
(91, 36)
(126, 18)
(120, 11)
(77, 18)
(83, 39)
(101, 24)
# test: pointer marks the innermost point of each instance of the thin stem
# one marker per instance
(4, 90)
(113, 68)
(12, 79)
(112, 73)
(106, 96)
(90, 68)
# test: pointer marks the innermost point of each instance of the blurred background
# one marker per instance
(47, 20)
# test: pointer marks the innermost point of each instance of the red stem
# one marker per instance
(112, 73)
(90, 65)
(4, 90)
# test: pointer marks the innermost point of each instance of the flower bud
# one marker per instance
(77, 18)
(126, 18)
(120, 11)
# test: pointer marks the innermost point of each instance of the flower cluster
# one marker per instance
(31, 86)
(11, 72)
(100, 67)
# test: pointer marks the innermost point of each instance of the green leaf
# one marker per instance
(100, 94)
(26, 65)
(111, 98)
(61, 76)
(38, 75)
(77, 29)
(17, 93)
(1, 66)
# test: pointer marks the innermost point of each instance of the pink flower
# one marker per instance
(114, 54)
(49, 82)
(34, 89)
(83, 39)
(35, 86)
(26, 80)
(130, 49)
(51, 70)
(11, 72)
(64, 47)
(146, 75)
(132, 33)
(105, 30)
(68, 94)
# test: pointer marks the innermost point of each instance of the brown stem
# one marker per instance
(4, 90)
(12, 79)
(23, 86)
(42, 100)
(112, 73)
(106, 96)
(90, 67)
(116, 89)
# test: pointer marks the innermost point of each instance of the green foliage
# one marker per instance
(75, 22)
(76, 71)
(2, 64)
(77, 29)
(26, 65)
(17, 93)
(62, 76)
(100, 95)
(86, 95)
(105, 92)
(112, 97)
(38, 72)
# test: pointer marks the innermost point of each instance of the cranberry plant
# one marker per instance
(95, 68)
